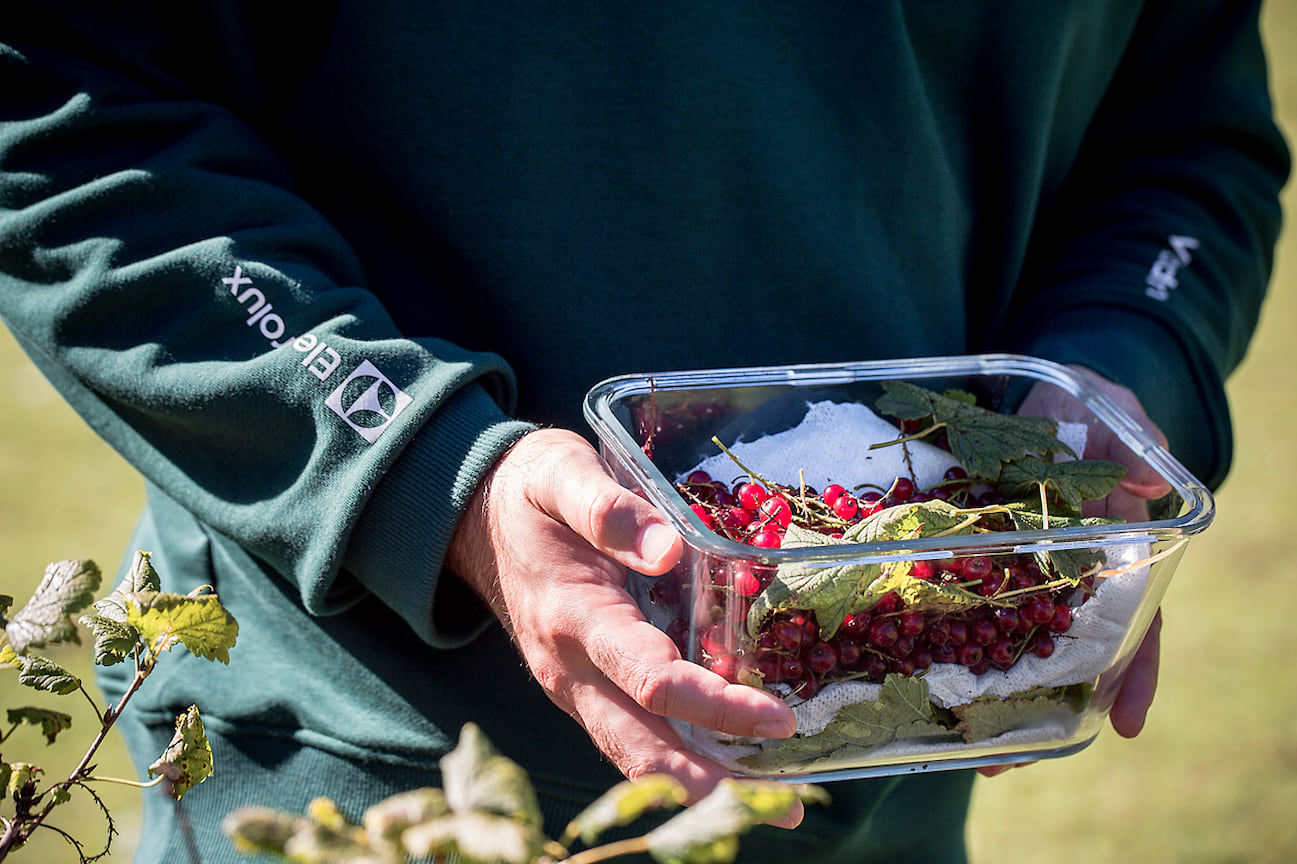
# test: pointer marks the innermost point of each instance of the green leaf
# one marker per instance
(835, 591)
(67, 587)
(902, 710)
(979, 439)
(42, 673)
(19, 774)
(477, 777)
(51, 722)
(989, 716)
(187, 761)
(708, 832)
(114, 640)
(198, 621)
(1070, 563)
(141, 578)
(478, 836)
(626, 802)
(1073, 482)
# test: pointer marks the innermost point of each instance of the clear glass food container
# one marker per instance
(935, 618)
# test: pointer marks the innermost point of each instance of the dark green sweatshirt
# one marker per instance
(311, 267)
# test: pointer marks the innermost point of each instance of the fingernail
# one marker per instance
(772, 729)
(655, 541)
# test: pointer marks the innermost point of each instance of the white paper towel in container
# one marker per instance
(831, 445)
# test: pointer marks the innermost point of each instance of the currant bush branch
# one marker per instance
(137, 620)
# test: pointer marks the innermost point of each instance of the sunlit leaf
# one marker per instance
(114, 640)
(626, 802)
(18, 775)
(199, 622)
(902, 710)
(141, 578)
(478, 777)
(385, 821)
(980, 439)
(66, 588)
(708, 832)
(187, 761)
(478, 836)
(834, 591)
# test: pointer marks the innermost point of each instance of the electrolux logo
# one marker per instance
(367, 401)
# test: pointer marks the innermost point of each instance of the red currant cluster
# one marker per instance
(1025, 607)
(758, 514)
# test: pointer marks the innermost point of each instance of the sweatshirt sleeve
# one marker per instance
(158, 267)
(1152, 264)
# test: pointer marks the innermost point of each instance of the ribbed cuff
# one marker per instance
(400, 542)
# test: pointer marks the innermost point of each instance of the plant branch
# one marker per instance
(610, 850)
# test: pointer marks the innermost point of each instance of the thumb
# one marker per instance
(583, 495)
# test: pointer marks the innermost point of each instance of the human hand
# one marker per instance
(1129, 501)
(546, 542)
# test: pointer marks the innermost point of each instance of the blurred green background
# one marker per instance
(1213, 778)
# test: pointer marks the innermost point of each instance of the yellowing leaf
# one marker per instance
(187, 761)
(478, 777)
(198, 622)
(834, 591)
(66, 588)
(624, 803)
(480, 837)
(708, 832)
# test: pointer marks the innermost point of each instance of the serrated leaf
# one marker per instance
(50, 722)
(981, 440)
(1069, 563)
(1073, 482)
(66, 588)
(478, 836)
(902, 710)
(989, 716)
(114, 640)
(42, 673)
(476, 776)
(626, 802)
(836, 590)
(187, 761)
(199, 622)
(141, 578)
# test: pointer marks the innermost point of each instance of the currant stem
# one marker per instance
(609, 850)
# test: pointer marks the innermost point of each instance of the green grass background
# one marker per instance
(1213, 778)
